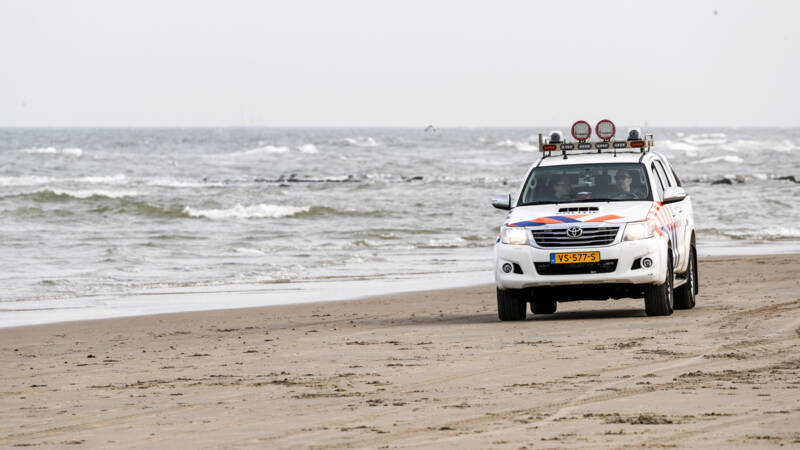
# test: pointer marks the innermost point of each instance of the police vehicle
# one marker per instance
(596, 220)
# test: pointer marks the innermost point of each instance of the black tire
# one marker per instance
(511, 304)
(659, 299)
(686, 295)
(544, 306)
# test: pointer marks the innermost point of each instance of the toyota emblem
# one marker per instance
(574, 231)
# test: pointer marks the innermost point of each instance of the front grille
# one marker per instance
(557, 237)
(604, 266)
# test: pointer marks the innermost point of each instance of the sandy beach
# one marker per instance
(428, 369)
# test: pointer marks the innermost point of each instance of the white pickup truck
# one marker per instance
(596, 221)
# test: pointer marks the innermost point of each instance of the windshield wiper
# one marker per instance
(535, 203)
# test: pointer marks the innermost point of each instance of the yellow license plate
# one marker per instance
(576, 257)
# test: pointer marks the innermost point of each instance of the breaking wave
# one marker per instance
(522, 146)
(358, 141)
(265, 150)
(36, 180)
(53, 151)
(54, 194)
(307, 148)
(169, 182)
(727, 158)
(239, 211)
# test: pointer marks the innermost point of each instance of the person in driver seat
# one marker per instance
(562, 189)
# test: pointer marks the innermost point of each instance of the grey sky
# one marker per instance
(404, 63)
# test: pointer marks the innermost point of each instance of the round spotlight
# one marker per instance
(634, 134)
(605, 129)
(647, 263)
(508, 268)
(556, 137)
(581, 130)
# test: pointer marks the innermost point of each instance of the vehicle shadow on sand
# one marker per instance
(466, 319)
(590, 314)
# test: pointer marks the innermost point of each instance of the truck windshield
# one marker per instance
(586, 183)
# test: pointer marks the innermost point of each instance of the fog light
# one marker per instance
(508, 268)
(647, 263)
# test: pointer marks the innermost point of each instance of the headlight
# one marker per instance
(638, 230)
(514, 235)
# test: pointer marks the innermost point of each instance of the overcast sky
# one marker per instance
(403, 63)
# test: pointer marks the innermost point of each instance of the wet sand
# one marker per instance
(427, 369)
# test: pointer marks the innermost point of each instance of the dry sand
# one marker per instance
(429, 369)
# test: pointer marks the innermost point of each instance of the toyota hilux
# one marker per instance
(595, 221)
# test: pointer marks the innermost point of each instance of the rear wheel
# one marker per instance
(658, 299)
(685, 297)
(511, 304)
(543, 306)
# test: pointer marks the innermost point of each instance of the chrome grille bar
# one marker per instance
(557, 237)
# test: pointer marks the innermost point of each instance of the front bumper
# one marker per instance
(625, 253)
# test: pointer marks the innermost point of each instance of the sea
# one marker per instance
(104, 222)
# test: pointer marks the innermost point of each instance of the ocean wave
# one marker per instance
(358, 141)
(239, 211)
(727, 158)
(169, 182)
(522, 146)
(679, 146)
(248, 251)
(25, 180)
(51, 194)
(786, 146)
(76, 152)
(774, 234)
(307, 148)
(106, 179)
(706, 139)
(264, 150)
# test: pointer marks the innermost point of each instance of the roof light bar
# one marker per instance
(605, 130)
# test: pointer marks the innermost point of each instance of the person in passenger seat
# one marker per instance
(561, 188)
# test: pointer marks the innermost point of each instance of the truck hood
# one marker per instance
(558, 213)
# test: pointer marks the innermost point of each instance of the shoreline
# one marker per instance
(213, 298)
(428, 368)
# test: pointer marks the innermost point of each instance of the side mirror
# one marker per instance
(502, 201)
(673, 194)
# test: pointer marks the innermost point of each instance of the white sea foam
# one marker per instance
(679, 146)
(518, 145)
(728, 158)
(111, 179)
(25, 180)
(53, 151)
(169, 182)
(92, 193)
(358, 141)
(706, 139)
(785, 146)
(249, 251)
(35, 180)
(263, 150)
(307, 148)
(247, 212)
(41, 150)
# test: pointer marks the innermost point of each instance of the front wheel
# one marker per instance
(685, 296)
(658, 299)
(511, 304)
